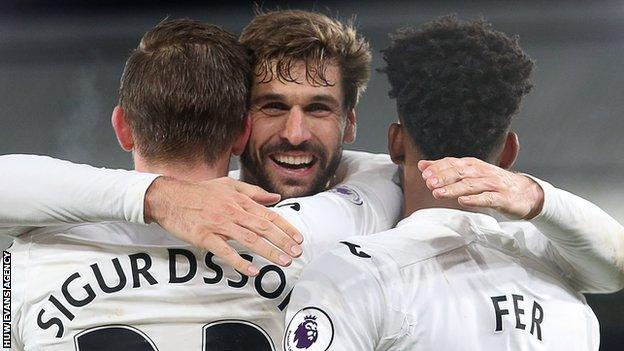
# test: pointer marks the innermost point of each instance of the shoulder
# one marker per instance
(404, 245)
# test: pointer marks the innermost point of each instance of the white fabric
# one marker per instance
(177, 315)
(583, 240)
(431, 284)
(38, 191)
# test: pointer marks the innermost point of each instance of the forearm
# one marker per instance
(39, 191)
(586, 237)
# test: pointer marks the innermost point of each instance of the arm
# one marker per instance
(369, 202)
(39, 191)
(345, 307)
(582, 240)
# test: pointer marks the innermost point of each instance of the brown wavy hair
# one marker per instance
(185, 91)
(281, 39)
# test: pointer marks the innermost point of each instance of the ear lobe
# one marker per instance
(241, 143)
(350, 132)
(510, 151)
(396, 147)
(122, 129)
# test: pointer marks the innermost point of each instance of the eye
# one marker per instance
(274, 108)
(318, 110)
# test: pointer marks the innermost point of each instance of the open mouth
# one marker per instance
(294, 162)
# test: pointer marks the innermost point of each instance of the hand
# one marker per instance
(477, 184)
(209, 213)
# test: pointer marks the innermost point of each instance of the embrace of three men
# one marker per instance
(176, 255)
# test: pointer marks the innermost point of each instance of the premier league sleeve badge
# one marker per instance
(310, 329)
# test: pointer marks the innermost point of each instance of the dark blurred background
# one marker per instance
(60, 63)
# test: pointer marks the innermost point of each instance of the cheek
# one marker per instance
(329, 134)
(263, 130)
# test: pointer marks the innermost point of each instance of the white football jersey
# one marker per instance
(583, 242)
(570, 232)
(441, 280)
(123, 286)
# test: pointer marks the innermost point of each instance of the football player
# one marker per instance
(124, 286)
(362, 205)
(446, 278)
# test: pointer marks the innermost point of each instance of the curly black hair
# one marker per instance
(457, 84)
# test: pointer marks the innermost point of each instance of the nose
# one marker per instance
(295, 130)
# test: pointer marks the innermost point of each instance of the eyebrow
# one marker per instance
(325, 98)
(280, 97)
(267, 97)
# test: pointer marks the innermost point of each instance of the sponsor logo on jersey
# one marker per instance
(295, 206)
(310, 329)
(355, 250)
(349, 193)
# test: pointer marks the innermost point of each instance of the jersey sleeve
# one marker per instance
(39, 191)
(370, 202)
(336, 305)
(579, 238)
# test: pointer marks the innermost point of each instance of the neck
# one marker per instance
(191, 171)
(417, 196)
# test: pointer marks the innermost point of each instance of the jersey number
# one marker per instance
(231, 335)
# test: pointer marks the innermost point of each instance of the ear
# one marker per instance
(122, 129)
(241, 142)
(510, 151)
(351, 127)
(396, 146)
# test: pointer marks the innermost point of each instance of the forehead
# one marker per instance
(303, 88)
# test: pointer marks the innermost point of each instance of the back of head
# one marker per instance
(279, 40)
(185, 91)
(457, 85)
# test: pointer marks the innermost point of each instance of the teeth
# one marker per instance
(293, 160)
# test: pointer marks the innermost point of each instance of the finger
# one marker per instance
(423, 164)
(487, 199)
(258, 221)
(284, 225)
(258, 245)
(273, 217)
(220, 248)
(452, 175)
(256, 193)
(464, 187)
(438, 165)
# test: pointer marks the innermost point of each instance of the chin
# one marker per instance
(288, 191)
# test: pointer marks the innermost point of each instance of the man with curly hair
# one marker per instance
(446, 278)
(300, 104)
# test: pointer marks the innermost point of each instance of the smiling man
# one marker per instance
(302, 108)
(446, 278)
(307, 82)
(124, 286)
